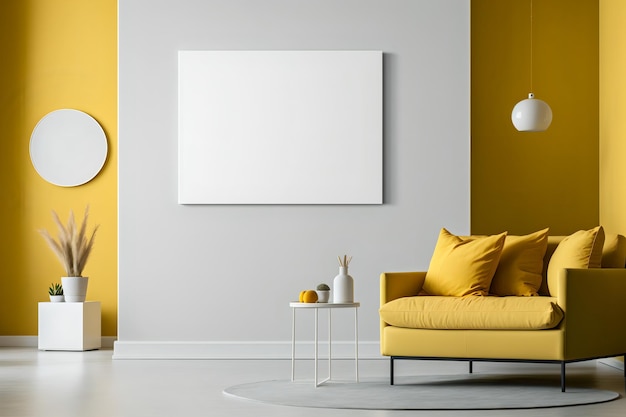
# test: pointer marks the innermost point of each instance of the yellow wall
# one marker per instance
(522, 182)
(612, 119)
(613, 115)
(56, 54)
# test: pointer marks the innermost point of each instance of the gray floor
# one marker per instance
(89, 384)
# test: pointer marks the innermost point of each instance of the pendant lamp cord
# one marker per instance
(531, 46)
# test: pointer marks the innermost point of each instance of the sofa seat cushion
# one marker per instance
(472, 312)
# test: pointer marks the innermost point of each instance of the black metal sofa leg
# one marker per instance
(391, 370)
(471, 367)
(562, 376)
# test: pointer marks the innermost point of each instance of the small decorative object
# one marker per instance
(323, 293)
(56, 293)
(308, 296)
(72, 247)
(343, 284)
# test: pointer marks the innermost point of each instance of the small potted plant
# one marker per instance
(323, 293)
(72, 246)
(56, 293)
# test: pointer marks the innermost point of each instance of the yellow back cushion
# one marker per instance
(614, 251)
(463, 267)
(582, 249)
(521, 264)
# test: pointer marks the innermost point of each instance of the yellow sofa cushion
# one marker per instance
(461, 267)
(520, 268)
(486, 313)
(614, 251)
(582, 249)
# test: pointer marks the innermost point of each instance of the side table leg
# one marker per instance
(356, 342)
(315, 357)
(293, 344)
(330, 343)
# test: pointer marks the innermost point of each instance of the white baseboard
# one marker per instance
(18, 341)
(240, 350)
(613, 362)
(32, 341)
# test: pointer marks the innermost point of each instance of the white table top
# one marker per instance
(296, 304)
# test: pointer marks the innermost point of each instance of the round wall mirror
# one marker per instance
(68, 147)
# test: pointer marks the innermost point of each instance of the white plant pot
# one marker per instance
(343, 287)
(75, 288)
(322, 296)
(57, 298)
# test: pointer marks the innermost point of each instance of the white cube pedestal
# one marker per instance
(69, 326)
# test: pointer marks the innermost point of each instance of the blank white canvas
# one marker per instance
(280, 127)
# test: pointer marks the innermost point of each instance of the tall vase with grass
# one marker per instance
(72, 247)
(343, 284)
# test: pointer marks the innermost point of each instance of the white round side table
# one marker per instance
(329, 307)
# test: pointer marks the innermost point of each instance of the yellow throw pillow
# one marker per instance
(580, 250)
(521, 264)
(614, 251)
(463, 267)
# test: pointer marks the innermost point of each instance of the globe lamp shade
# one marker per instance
(531, 115)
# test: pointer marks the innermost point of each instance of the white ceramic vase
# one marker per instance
(74, 288)
(343, 287)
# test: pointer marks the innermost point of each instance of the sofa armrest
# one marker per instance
(396, 285)
(594, 302)
(400, 284)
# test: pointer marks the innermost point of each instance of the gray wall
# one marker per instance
(197, 277)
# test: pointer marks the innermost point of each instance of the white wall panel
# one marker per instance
(225, 273)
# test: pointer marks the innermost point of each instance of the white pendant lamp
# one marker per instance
(531, 114)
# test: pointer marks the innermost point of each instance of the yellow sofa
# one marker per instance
(593, 303)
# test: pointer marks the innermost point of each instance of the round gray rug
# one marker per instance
(450, 392)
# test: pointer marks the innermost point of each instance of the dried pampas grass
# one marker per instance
(72, 246)
(345, 261)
